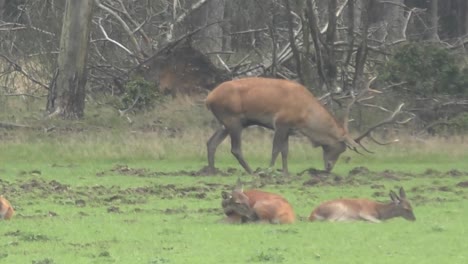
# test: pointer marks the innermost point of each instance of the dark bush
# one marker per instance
(427, 69)
(140, 95)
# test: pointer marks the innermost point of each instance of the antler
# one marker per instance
(358, 98)
(389, 120)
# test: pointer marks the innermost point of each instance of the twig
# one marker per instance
(13, 125)
(18, 68)
(18, 26)
(25, 94)
(136, 24)
(182, 16)
(124, 25)
(106, 37)
(223, 63)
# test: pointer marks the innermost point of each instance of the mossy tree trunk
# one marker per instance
(67, 99)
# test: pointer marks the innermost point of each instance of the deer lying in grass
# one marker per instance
(284, 106)
(6, 210)
(363, 209)
(256, 206)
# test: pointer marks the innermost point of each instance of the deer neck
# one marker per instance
(325, 133)
(386, 211)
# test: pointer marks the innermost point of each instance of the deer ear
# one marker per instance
(402, 193)
(239, 186)
(394, 197)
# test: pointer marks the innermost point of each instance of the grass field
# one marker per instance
(134, 197)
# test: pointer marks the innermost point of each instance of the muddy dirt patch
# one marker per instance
(463, 184)
(125, 170)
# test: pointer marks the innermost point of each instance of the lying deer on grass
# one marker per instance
(284, 106)
(363, 209)
(6, 210)
(256, 206)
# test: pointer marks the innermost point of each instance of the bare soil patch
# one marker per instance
(115, 199)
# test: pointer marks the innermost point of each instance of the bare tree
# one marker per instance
(68, 99)
(331, 45)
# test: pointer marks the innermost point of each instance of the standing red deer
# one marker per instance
(363, 209)
(256, 206)
(6, 210)
(284, 106)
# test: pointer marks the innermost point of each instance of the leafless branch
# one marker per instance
(389, 120)
(249, 31)
(25, 94)
(338, 13)
(107, 38)
(18, 68)
(135, 23)
(182, 17)
(124, 26)
(223, 63)
(13, 125)
(437, 123)
(18, 26)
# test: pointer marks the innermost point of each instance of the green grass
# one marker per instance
(76, 205)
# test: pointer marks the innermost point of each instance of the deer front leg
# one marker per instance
(369, 218)
(280, 144)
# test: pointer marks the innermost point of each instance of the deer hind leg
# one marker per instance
(213, 144)
(280, 144)
(236, 148)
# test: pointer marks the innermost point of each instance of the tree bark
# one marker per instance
(434, 20)
(292, 42)
(210, 39)
(2, 8)
(316, 39)
(72, 74)
(361, 55)
(394, 19)
(465, 12)
(330, 65)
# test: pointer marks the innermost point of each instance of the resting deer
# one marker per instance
(284, 106)
(363, 209)
(256, 206)
(6, 210)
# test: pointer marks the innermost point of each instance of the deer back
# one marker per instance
(255, 205)
(6, 210)
(271, 100)
(364, 209)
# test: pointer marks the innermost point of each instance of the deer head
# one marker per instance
(237, 202)
(402, 206)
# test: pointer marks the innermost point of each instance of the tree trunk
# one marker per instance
(330, 64)
(465, 17)
(210, 38)
(2, 8)
(292, 41)
(72, 74)
(394, 19)
(361, 55)
(434, 20)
